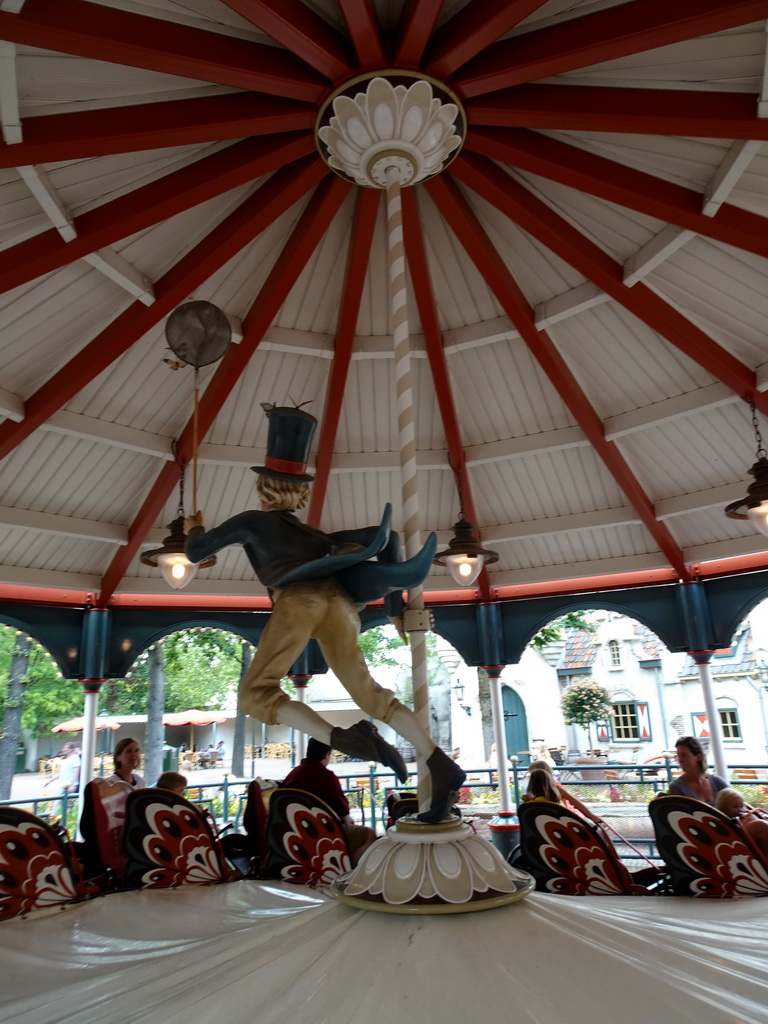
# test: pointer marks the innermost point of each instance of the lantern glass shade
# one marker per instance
(464, 568)
(758, 516)
(173, 563)
(177, 569)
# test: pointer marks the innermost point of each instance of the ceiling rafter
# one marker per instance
(150, 204)
(714, 115)
(10, 118)
(254, 215)
(49, 200)
(422, 290)
(366, 212)
(619, 31)
(102, 33)
(471, 235)
(471, 30)
(417, 20)
(106, 261)
(552, 230)
(302, 242)
(301, 32)
(364, 33)
(671, 238)
(90, 133)
(620, 184)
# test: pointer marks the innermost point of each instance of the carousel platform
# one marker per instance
(283, 954)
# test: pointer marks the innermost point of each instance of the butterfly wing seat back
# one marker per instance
(305, 841)
(707, 854)
(567, 855)
(37, 868)
(255, 822)
(101, 825)
(168, 842)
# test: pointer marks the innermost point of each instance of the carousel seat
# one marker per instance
(38, 869)
(708, 855)
(101, 826)
(305, 840)
(169, 842)
(567, 855)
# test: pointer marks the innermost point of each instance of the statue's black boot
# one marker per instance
(363, 740)
(446, 778)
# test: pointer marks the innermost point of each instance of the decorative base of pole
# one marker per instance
(431, 869)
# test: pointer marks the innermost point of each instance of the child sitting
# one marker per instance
(731, 803)
(562, 794)
(541, 786)
(174, 781)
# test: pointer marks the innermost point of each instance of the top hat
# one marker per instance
(289, 436)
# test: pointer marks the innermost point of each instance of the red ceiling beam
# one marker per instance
(553, 231)
(310, 228)
(253, 216)
(357, 270)
(713, 115)
(468, 230)
(301, 32)
(119, 37)
(433, 341)
(620, 184)
(605, 35)
(89, 133)
(417, 20)
(364, 33)
(146, 206)
(474, 28)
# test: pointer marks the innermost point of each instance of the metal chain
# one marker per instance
(761, 452)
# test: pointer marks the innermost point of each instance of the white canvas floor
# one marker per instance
(276, 954)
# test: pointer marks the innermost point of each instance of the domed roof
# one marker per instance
(586, 280)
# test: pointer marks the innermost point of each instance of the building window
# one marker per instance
(614, 653)
(729, 720)
(631, 722)
(624, 722)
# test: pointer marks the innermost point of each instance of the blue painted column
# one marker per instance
(698, 625)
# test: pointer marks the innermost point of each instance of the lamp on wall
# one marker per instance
(176, 568)
(464, 557)
(755, 505)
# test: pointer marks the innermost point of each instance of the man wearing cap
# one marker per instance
(317, 581)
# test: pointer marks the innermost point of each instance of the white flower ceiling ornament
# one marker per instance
(405, 127)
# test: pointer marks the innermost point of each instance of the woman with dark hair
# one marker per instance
(695, 781)
(127, 757)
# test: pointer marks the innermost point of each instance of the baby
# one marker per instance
(731, 803)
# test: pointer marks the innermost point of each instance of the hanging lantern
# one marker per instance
(755, 505)
(464, 557)
(173, 563)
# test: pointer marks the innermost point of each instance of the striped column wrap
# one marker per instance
(398, 297)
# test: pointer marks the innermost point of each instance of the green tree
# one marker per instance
(553, 633)
(377, 645)
(46, 697)
(202, 668)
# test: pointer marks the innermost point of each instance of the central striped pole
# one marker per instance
(398, 298)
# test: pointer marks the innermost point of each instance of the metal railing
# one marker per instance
(605, 788)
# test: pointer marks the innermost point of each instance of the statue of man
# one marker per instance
(317, 582)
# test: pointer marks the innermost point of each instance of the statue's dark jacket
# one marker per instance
(283, 550)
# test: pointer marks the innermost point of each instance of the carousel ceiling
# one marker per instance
(586, 282)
